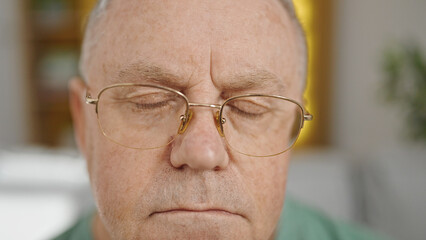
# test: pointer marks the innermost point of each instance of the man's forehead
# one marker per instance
(262, 12)
(225, 34)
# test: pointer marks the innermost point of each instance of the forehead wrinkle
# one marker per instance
(254, 80)
(143, 72)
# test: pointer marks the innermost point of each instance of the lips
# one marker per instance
(212, 211)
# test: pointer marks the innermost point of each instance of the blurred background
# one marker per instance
(362, 159)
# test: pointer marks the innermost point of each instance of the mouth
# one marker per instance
(212, 211)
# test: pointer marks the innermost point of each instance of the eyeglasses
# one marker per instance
(144, 116)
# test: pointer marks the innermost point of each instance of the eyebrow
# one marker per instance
(253, 79)
(150, 73)
(256, 79)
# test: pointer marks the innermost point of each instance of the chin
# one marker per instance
(191, 226)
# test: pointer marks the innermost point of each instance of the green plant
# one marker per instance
(405, 84)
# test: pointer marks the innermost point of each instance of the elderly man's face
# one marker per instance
(196, 187)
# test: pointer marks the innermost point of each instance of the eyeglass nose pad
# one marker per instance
(184, 122)
(219, 123)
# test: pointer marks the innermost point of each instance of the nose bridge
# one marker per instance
(186, 121)
(200, 147)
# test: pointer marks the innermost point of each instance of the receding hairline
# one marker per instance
(102, 7)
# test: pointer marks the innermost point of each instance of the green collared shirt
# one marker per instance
(298, 222)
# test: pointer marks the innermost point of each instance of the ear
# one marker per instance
(77, 92)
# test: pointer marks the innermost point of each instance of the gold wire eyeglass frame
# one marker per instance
(187, 116)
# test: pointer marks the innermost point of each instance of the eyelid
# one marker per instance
(145, 93)
(135, 95)
(250, 101)
(252, 109)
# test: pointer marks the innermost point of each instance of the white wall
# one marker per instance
(13, 114)
(363, 29)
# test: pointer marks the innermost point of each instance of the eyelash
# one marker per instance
(151, 105)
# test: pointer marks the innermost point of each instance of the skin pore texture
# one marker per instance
(196, 187)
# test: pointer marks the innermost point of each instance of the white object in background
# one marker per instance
(395, 191)
(322, 178)
(42, 193)
(35, 216)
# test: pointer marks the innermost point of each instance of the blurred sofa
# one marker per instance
(45, 191)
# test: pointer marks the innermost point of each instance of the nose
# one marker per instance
(200, 147)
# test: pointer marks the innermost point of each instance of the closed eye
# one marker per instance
(245, 114)
(150, 102)
(247, 109)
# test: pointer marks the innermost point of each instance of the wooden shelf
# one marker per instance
(65, 28)
(54, 34)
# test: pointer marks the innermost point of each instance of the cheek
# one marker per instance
(118, 177)
(113, 177)
(113, 169)
(270, 183)
(266, 181)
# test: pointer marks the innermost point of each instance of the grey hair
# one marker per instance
(102, 6)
